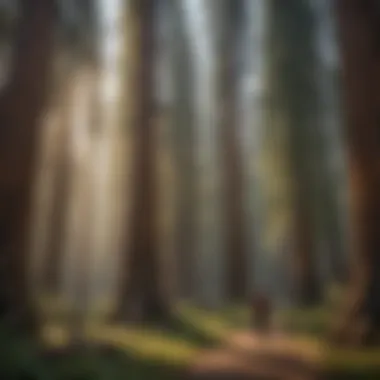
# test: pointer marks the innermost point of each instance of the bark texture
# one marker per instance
(359, 33)
(292, 92)
(184, 141)
(142, 298)
(236, 242)
(21, 108)
(60, 191)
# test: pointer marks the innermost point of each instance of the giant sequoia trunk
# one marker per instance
(60, 191)
(358, 24)
(141, 293)
(331, 179)
(183, 130)
(292, 91)
(236, 244)
(21, 107)
(334, 237)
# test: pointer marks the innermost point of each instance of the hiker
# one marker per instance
(261, 309)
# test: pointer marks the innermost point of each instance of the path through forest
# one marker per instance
(247, 355)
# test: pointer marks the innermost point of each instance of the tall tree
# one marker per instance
(292, 84)
(358, 26)
(183, 134)
(21, 107)
(333, 174)
(332, 230)
(76, 48)
(230, 14)
(60, 190)
(141, 297)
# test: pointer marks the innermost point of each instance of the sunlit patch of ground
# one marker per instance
(146, 343)
(197, 336)
(304, 348)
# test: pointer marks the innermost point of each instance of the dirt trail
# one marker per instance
(247, 356)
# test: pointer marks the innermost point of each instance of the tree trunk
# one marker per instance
(358, 25)
(60, 193)
(306, 284)
(184, 141)
(21, 107)
(141, 298)
(292, 89)
(236, 244)
(334, 236)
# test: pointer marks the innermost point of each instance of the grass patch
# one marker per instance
(314, 322)
(149, 349)
(350, 364)
(190, 330)
(153, 353)
(146, 344)
(95, 365)
(127, 355)
(214, 326)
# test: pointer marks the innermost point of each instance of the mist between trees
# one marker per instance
(168, 162)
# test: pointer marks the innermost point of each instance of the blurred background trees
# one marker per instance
(151, 169)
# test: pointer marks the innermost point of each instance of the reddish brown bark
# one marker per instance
(359, 32)
(141, 296)
(21, 107)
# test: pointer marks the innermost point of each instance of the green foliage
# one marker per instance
(18, 357)
(146, 343)
(335, 295)
(338, 363)
(131, 352)
(314, 321)
(22, 359)
(93, 365)
(213, 326)
(342, 364)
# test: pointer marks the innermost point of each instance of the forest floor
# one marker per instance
(220, 345)
(249, 355)
(198, 345)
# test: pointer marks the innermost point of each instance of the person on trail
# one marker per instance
(261, 309)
